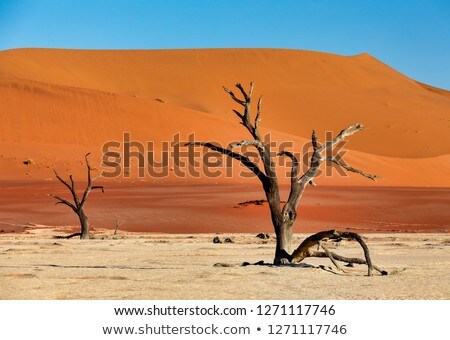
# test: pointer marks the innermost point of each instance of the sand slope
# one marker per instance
(302, 90)
(56, 105)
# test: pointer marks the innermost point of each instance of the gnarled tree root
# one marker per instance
(304, 250)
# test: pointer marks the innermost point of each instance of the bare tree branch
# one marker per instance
(349, 260)
(314, 140)
(247, 97)
(238, 114)
(256, 143)
(88, 168)
(62, 181)
(304, 250)
(99, 187)
(64, 201)
(241, 158)
(317, 158)
(67, 237)
(348, 131)
(330, 256)
(315, 162)
(241, 102)
(89, 181)
(245, 116)
(250, 91)
(96, 177)
(258, 113)
(118, 224)
(351, 169)
(295, 164)
(73, 192)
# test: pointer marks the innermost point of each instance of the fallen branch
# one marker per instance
(304, 250)
(331, 257)
(68, 236)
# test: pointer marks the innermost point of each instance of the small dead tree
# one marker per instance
(116, 229)
(283, 217)
(78, 204)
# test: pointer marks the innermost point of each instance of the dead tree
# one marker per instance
(283, 217)
(118, 224)
(78, 204)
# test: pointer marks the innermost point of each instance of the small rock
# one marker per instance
(28, 162)
(259, 263)
(263, 236)
(222, 265)
(229, 240)
(217, 240)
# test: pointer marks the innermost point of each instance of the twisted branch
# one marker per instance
(304, 249)
(351, 169)
(256, 143)
(258, 113)
(233, 96)
(241, 158)
(348, 131)
(245, 116)
(64, 201)
(295, 163)
(247, 97)
(89, 186)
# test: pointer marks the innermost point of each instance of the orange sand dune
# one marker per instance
(81, 99)
(57, 105)
(302, 90)
(56, 126)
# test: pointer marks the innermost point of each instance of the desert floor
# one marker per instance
(181, 266)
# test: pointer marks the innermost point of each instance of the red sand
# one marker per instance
(57, 105)
(212, 208)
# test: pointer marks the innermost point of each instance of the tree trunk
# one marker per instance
(283, 226)
(284, 243)
(84, 225)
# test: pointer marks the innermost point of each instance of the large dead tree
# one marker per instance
(78, 204)
(284, 216)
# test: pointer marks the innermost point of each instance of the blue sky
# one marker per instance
(412, 36)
